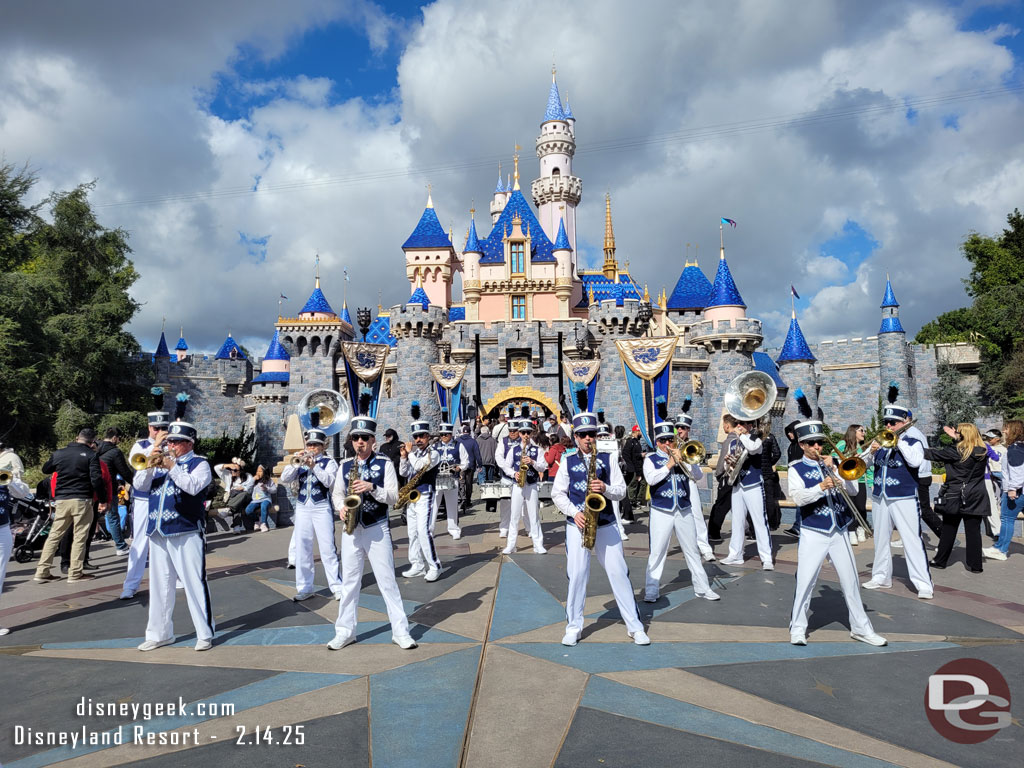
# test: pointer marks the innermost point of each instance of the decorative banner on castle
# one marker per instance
(647, 371)
(582, 375)
(448, 379)
(364, 364)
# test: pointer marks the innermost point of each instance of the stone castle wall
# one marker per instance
(216, 389)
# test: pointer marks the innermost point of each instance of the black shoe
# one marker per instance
(63, 567)
(792, 532)
(90, 567)
(975, 570)
(933, 564)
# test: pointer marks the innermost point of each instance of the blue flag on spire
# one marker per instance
(793, 291)
(730, 222)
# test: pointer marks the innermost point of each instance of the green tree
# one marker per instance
(955, 403)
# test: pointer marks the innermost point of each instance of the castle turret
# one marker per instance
(895, 360)
(562, 252)
(161, 348)
(312, 339)
(557, 192)
(418, 327)
(690, 296)
(181, 348)
(796, 367)
(471, 270)
(430, 257)
(499, 200)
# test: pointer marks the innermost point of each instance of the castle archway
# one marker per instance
(520, 396)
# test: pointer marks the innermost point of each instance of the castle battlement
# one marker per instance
(615, 320)
(412, 320)
(741, 334)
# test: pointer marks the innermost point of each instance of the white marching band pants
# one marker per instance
(812, 550)
(173, 558)
(608, 550)
(750, 500)
(700, 525)
(451, 506)
(139, 551)
(373, 544)
(904, 515)
(421, 541)
(315, 522)
(526, 496)
(505, 517)
(662, 525)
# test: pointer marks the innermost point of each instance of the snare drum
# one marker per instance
(495, 491)
(446, 482)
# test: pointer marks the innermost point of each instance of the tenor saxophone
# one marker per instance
(407, 493)
(521, 474)
(353, 500)
(593, 504)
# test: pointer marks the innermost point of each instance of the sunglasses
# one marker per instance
(814, 442)
(360, 439)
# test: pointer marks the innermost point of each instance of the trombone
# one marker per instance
(887, 438)
(850, 467)
(831, 472)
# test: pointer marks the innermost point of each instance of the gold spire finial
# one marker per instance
(515, 162)
(430, 198)
(472, 211)
(552, 68)
(590, 293)
(163, 324)
(647, 296)
(380, 301)
(610, 267)
(664, 299)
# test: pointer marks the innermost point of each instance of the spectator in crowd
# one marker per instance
(486, 444)
(392, 448)
(263, 490)
(633, 474)
(1013, 484)
(14, 489)
(770, 455)
(723, 496)
(238, 488)
(467, 441)
(996, 452)
(794, 453)
(9, 461)
(924, 497)
(64, 549)
(79, 478)
(110, 454)
(850, 446)
(500, 430)
(963, 497)
(553, 455)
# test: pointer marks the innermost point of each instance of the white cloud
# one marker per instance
(116, 93)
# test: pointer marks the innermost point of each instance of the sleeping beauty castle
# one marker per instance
(527, 306)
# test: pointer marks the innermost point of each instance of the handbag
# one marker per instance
(950, 499)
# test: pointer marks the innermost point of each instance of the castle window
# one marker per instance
(556, 172)
(518, 307)
(518, 251)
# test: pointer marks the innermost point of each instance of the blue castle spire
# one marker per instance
(428, 233)
(317, 302)
(419, 296)
(500, 189)
(795, 347)
(182, 345)
(473, 242)
(224, 353)
(562, 241)
(890, 311)
(889, 300)
(276, 350)
(161, 347)
(345, 316)
(567, 112)
(723, 291)
(554, 110)
(692, 289)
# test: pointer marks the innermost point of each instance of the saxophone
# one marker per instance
(593, 504)
(408, 494)
(521, 474)
(353, 500)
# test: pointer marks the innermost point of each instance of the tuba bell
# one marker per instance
(324, 409)
(6, 476)
(750, 395)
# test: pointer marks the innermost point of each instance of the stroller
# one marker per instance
(34, 527)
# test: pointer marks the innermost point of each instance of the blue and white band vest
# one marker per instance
(674, 491)
(532, 451)
(145, 444)
(827, 514)
(311, 490)
(894, 478)
(576, 465)
(372, 471)
(141, 500)
(429, 478)
(750, 474)
(448, 453)
(5, 505)
(173, 512)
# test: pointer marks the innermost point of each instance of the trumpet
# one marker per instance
(300, 458)
(138, 461)
(6, 476)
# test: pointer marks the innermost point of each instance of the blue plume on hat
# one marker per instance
(661, 407)
(511, 411)
(365, 399)
(894, 391)
(687, 402)
(444, 415)
(181, 404)
(600, 415)
(802, 403)
(158, 397)
(414, 409)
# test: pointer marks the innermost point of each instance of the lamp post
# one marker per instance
(363, 318)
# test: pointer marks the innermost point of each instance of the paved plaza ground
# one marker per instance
(490, 684)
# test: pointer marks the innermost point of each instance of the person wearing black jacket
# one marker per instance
(79, 477)
(770, 455)
(794, 453)
(111, 455)
(963, 497)
(633, 471)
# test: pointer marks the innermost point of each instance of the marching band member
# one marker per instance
(15, 489)
(748, 496)
(528, 453)
(671, 510)
(683, 423)
(824, 519)
(315, 475)
(423, 560)
(896, 504)
(377, 487)
(138, 554)
(568, 493)
(501, 450)
(176, 484)
(606, 443)
(453, 461)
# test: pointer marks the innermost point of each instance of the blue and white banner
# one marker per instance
(582, 375)
(448, 379)
(646, 367)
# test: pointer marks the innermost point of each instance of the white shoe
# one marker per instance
(337, 595)
(898, 544)
(540, 550)
(127, 594)
(503, 533)
(302, 596)
(623, 535)
(861, 536)
(649, 599)
(4, 631)
(509, 549)
(238, 529)
(264, 528)
(640, 637)
(872, 584)
(873, 639)
(150, 645)
(730, 561)
(925, 595)
(710, 595)
(709, 557)
(798, 638)
(204, 645)
(570, 639)
(405, 642)
(414, 570)
(340, 640)
(992, 553)
(767, 567)
(854, 541)
(432, 575)
(456, 536)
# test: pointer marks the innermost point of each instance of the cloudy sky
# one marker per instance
(235, 139)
